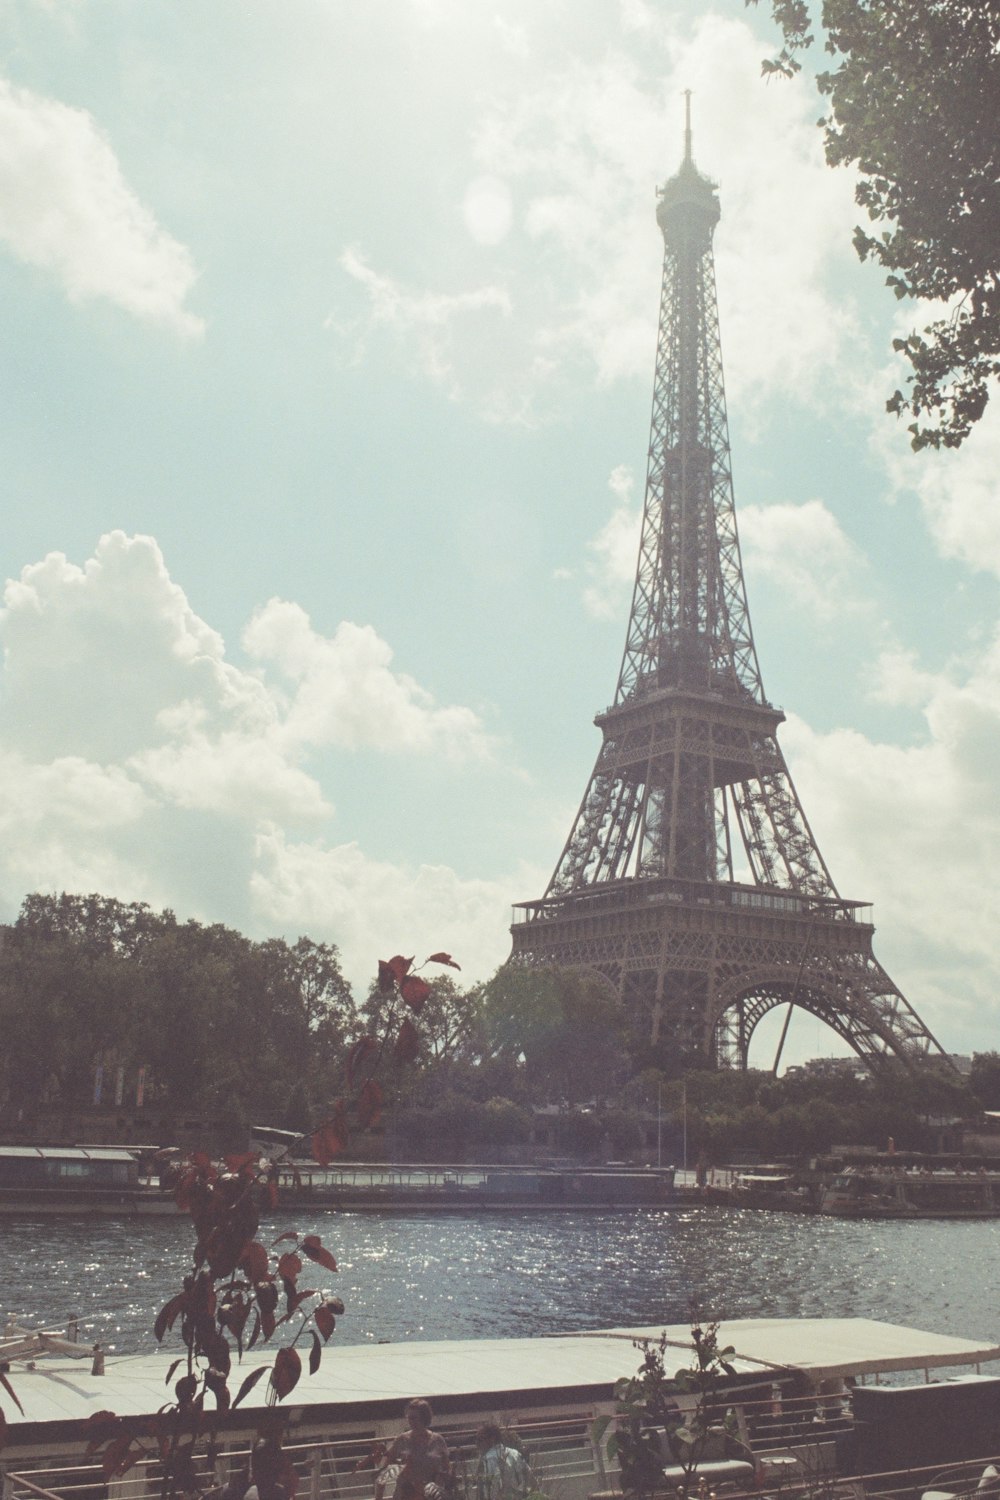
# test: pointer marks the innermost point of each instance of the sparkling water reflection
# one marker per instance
(444, 1276)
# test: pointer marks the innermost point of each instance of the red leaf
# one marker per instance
(362, 1048)
(407, 1042)
(443, 958)
(324, 1319)
(414, 992)
(330, 1139)
(118, 1457)
(315, 1354)
(289, 1266)
(216, 1383)
(242, 1159)
(289, 1234)
(11, 1392)
(167, 1316)
(256, 1261)
(370, 1104)
(392, 971)
(249, 1383)
(313, 1247)
(286, 1372)
(101, 1425)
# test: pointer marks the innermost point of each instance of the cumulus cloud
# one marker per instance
(915, 828)
(345, 692)
(802, 550)
(139, 761)
(340, 888)
(66, 208)
(583, 143)
(957, 490)
(567, 150)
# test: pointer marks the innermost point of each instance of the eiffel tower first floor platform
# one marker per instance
(697, 966)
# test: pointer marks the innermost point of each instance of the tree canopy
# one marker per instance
(912, 101)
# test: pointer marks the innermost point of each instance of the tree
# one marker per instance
(984, 1079)
(566, 1024)
(912, 100)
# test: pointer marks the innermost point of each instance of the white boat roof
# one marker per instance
(61, 1390)
(824, 1347)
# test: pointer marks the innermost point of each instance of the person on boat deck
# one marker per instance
(420, 1458)
(504, 1472)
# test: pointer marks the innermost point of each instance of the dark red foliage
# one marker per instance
(313, 1247)
(414, 991)
(407, 1046)
(249, 1383)
(101, 1425)
(392, 971)
(255, 1261)
(215, 1381)
(363, 1048)
(11, 1392)
(330, 1139)
(443, 958)
(119, 1456)
(168, 1315)
(370, 1102)
(286, 1372)
(289, 1265)
(325, 1320)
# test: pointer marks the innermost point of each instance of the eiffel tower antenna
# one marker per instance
(691, 879)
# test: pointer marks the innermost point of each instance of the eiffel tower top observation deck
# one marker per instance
(691, 878)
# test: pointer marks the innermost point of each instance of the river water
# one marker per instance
(435, 1276)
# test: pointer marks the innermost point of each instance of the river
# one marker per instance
(435, 1276)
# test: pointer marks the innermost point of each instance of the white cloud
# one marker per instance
(802, 550)
(915, 829)
(345, 693)
(958, 490)
(66, 208)
(137, 760)
(487, 210)
(583, 142)
(611, 567)
(370, 904)
(567, 150)
(431, 321)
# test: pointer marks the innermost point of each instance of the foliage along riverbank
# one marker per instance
(206, 1025)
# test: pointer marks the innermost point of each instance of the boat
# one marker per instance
(102, 1181)
(771, 1187)
(883, 1191)
(361, 1186)
(806, 1396)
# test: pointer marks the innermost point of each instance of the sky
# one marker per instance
(328, 342)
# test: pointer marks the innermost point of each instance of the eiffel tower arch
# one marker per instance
(691, 878)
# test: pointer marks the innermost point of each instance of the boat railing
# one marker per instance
(565, 1462)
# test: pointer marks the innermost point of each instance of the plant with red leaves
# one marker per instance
(239, 1291)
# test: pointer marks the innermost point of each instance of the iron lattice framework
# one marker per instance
(691, 878)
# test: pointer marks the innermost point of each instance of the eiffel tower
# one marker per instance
(691, 879)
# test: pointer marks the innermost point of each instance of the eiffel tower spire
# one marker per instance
(691, 878)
